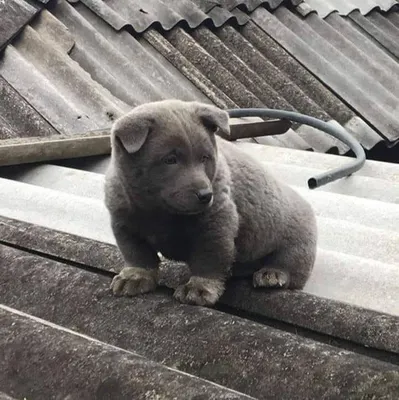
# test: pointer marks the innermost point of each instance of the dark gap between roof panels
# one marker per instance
(61, 260)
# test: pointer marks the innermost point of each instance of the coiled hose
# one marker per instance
(336, 131)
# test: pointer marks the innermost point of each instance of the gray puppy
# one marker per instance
(174, 187)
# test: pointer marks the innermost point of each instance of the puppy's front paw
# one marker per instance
(133, 281)
(270, 278)
(200, 291)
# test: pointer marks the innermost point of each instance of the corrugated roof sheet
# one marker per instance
(253, 69)
(143, 14)
(352, 292)
(71, 71)
(18, 118)
(82, 74)
(353, 214)
(101, 75)
(344, 7)
(352, 65)
(15, 14)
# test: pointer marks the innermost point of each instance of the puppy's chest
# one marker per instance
(174, 239)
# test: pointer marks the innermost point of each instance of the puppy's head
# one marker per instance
(168, 155)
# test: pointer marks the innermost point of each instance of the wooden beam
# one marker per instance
(244, 130)
(95, 143)
(39, 149)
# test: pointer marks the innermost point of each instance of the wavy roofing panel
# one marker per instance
(14, 15)
(251, 5)
(346, 58)
(71, 59)
(18, 118)
(79, 74)
(254, 70)
(143, 14)
(351, 294)
(344, 7)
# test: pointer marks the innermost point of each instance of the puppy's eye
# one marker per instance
(170, 159)
(210, 124)
(205, 158)
(211, 127)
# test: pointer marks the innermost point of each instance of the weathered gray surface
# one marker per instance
(82, 73)
(16, 152)
(140, 15)
(14, 15)
(340, 320)
(326, 7)
(330, 56)
(358, 228)
(4, 396)
(44, 361)
(245, 356)
(18, 118)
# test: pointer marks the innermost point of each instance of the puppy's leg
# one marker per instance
(140, 274)
(211, 259)
(290, 267)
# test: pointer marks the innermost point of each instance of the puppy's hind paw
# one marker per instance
(270, 278)
(200, 291)
(133, 281)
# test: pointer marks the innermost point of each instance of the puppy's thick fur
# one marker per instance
(175, 187)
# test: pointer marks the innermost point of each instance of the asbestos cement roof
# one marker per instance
(344, 7)
(67, 67)
(72, 70)
(141, 15)
(58, 256)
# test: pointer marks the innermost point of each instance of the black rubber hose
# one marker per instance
(336, 131)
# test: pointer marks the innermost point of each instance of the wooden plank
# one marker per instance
(257, 129)
(39, 149)
(30, 150)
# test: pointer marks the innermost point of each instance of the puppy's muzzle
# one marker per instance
(204, 196)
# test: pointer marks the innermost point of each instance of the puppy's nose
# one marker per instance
(204, 196)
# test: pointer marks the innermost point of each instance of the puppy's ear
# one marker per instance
(215, 119)
(131, 131)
